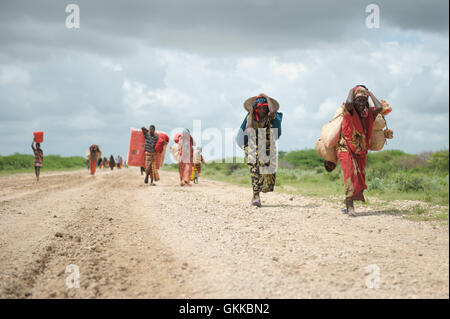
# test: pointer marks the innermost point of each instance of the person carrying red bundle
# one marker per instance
(150, 155)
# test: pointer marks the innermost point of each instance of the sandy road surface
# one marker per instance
(132, 240)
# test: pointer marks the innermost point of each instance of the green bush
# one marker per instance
(304, 159)
(335, 175)
(281, 154)
(231, 167)
(23, 161)
(439, 161)
(409, 183)
(375, 184)
(383, 157)
(391, 174)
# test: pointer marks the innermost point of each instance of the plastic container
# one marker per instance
(38, 137)
(136, 149)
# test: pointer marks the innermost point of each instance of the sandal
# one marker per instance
(256, 203)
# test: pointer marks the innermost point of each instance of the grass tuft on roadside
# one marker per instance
(390, 176)
(23, 163)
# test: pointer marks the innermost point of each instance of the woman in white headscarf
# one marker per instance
(186, 158)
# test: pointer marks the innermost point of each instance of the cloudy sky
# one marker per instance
(133, 63)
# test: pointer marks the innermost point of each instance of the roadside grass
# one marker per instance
(419, 213)
(391, 176)
(31, 170)
(23, 163)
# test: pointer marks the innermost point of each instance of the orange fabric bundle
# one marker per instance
(386, 108)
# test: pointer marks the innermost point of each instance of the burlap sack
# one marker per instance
(175, 152)
(377, 141)
(379, 123)
(331, 131)
(339, 110)
(388, 133)
(328, 154)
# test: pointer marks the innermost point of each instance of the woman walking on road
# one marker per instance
(38, 158)
(112, 163)
(262, 127)
(186, 158)
(356, 132)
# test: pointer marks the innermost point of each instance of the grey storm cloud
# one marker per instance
(133, 63)
(116, 27)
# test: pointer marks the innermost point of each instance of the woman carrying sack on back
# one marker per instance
(186, 154)
(353, 145)
(94, 154)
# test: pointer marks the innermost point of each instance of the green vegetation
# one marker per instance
(20, 163)
(390, 175)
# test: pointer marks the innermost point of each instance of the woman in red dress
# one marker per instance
(353, 145)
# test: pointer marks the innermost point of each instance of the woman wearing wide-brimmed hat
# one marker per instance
(262, 127)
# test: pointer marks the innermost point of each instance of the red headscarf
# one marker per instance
(258, 103)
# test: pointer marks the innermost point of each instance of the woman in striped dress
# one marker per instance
(38, 158)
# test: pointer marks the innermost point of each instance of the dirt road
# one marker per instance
(131, 240)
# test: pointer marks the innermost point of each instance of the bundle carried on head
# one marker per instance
(360, 90)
